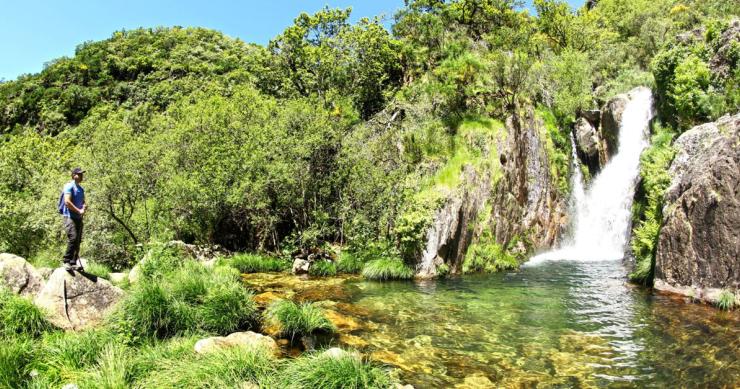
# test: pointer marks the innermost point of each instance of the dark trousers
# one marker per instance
(73, 228)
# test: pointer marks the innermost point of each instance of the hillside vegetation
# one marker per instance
(334, 132)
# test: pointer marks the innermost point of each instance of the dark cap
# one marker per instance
(77, 170)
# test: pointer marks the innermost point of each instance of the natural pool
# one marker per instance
(558, 324)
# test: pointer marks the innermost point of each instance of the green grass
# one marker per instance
(726, 301)
(297, 319)
(487, 256)
(387, 269)
(16, 356)
(229, 368)
(190, 299)
(98, 269)
(323, 371)
(349, 263)
(255, 263)
(160, 260)
(19, 316)
(66, 354)
(112, 369)
(323, 268)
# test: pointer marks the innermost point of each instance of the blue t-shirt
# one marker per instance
(78, 199)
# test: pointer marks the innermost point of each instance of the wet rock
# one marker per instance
(586, 137)
(301, 266)
(237, 339)
(698, 248)
(77, 300)
(611, 118)
(476, 381)
(18, 275)
(264, 299)
(342, 322)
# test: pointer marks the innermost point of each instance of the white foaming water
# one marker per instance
(602, 213)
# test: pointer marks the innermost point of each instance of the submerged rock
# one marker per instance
(698, 246)
(77, 300)
(18, 275)
(237, 339)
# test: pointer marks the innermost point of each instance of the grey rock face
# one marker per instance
(587, 138)
(18, 275)
(699, 243)
(611, 117)
(76, 300)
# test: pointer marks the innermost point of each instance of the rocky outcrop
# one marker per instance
(18, 275)
(724, 61)
(525, 202)
(699, 243)
(518, 190)
(588, 142)
(611, 118)
(449, 235)
(77, 300)
(237, 339)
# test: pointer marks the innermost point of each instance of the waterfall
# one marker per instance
(602, 214)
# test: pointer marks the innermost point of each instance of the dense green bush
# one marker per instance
(387, 269)
(293, 319)
(349, 263)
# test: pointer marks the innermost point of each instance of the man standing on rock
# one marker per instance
(72, 207)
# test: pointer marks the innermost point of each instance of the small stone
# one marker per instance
(301, 266)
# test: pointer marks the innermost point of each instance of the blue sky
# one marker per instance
(34, 31)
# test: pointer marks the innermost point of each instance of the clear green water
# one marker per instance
(560, 324)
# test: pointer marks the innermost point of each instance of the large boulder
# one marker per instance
(237, 339)
(699, 243)
(77, 300)
(18, 275)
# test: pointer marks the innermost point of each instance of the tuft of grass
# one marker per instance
(328, 372)
(66, 355)
(187, 300)
(726, 301)
(349, 263)
(255, 263)
(20, 316)
(16, 356)
(229, 368)
(98, 269)
(112, 370)
(297, 319)
(387, 269)
(161, 260)
(323, 268)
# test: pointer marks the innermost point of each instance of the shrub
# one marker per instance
(387, 269)
(727, 300)
(255, 263)
(19, 316)
(160, 260)
(323, 268)
(295, 320)
(323, 371)
(349, 263)
(488, 256)
(227, 368)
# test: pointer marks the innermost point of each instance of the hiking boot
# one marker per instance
(68, 266)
